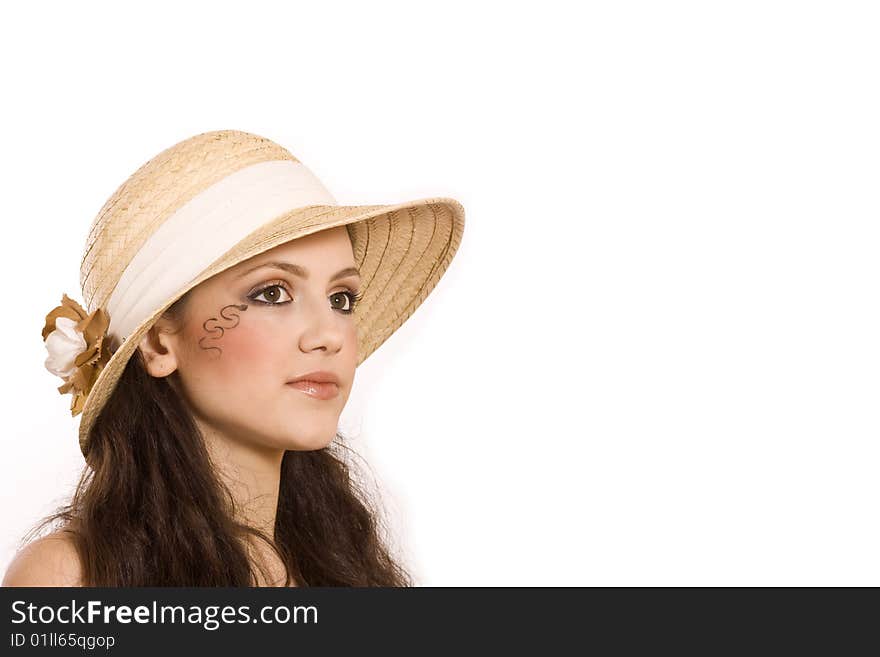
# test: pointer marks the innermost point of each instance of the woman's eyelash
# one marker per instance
(354, 297)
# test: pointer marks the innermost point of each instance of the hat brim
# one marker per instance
(401, 250)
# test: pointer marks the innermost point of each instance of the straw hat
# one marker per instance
(204, 205)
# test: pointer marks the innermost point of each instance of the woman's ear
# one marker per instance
(158, 349)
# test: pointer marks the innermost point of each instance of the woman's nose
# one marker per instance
(320, 324)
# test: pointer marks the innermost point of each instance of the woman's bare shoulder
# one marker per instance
(48, 561)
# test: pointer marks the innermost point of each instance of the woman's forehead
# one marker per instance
(329, 242)
(323, 253)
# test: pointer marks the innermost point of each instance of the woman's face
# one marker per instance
(250, 330)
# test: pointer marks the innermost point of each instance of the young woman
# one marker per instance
(230, 301)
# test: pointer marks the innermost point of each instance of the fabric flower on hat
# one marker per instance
(78, 348)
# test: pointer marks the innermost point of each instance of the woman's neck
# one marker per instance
(253, 476)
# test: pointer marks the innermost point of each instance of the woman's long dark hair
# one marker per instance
(150, 510)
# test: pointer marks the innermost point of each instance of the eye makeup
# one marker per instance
(354, 296)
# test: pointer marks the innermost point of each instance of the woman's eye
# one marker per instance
(344, 301)
(271, 292)
(343, 297)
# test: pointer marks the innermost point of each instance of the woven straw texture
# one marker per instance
(402, 250)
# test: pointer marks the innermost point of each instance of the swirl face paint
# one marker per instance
(221, 327)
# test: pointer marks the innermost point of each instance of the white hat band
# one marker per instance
(203, 229)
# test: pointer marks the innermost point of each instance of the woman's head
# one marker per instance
(214, 368)
(238, 339)
(152, 508)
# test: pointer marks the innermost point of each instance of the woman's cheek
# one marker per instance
(240, 347)
(249, 348)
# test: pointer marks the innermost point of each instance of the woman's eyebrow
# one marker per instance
(298, 270)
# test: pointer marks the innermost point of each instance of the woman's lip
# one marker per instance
(316, 389)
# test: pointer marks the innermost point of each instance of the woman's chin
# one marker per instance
(303, 441)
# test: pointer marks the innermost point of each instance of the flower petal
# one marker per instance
(68, 308)
(79, 348)
(63, 345)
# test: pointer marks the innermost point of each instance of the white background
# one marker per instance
(654, 359)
